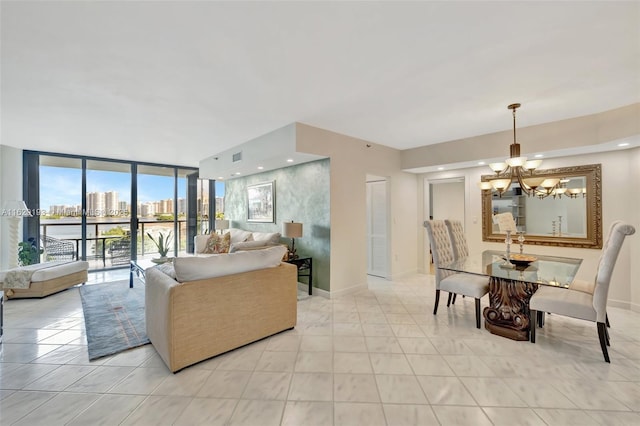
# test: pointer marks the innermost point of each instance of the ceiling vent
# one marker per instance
(237, 157)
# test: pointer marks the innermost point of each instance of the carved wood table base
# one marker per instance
(508, 313)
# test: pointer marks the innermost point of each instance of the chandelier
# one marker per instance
(521, 170)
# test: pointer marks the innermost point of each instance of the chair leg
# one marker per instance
(449, 299)
(540, 318)
(606, 334)
(435, 308)
(532, 324)
(477, 313)
(602, 328)
(453, 301)
(606, 318)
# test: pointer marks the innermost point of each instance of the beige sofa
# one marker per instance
(190, 321)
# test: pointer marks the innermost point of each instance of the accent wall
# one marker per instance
(302, 194)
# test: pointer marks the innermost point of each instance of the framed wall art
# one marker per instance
(261, 202)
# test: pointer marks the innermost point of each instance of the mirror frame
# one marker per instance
(593, 239)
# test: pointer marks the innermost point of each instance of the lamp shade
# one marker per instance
(16, 208)
(292, 230)
(222, 223)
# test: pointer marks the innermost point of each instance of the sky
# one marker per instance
(63, 186)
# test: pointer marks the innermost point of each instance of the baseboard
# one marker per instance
(345, 291)
(316, 291)
(635, 307)
(622, 304)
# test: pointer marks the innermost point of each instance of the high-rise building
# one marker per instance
(147, 209)
(182, 206)
(219, 205)
(123, 208)
(95, 204)
(57, 209)
(111, 203)
(166, 206)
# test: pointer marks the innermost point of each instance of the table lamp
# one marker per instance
(292, 230)
(222, 224)
(14, 210)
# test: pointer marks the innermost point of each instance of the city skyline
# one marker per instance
(62, 186)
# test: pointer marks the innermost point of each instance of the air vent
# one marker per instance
(237, 157)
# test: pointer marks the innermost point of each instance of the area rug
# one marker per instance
(114, 317)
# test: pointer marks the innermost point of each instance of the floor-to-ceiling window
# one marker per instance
(59, 207)
(107, 236)
(104, 210)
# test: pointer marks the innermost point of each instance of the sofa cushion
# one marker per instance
(247, 245)
(239, 235)
(199, 268)
(51, 270)
(218, 243)
(167, 268)
(269, 237)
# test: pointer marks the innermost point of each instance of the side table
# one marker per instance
(138, 267)
(305, 269)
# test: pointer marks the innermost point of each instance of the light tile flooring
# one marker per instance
(372, 358)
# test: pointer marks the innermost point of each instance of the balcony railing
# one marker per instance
(99, 243)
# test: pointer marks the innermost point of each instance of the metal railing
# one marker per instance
(98, 243)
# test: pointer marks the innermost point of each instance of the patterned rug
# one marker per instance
(114, 317)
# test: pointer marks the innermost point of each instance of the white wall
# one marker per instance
(351, 160)
(10, 189)
(447, 200)
(620, 200)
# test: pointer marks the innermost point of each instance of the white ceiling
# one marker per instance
(175, 82)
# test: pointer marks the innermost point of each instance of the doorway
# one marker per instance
(445, 200)
(377, 226)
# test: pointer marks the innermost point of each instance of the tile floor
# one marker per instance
(372, 358)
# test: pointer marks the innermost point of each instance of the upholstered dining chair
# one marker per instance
(581, 304)
(458, 244)
(470, 285)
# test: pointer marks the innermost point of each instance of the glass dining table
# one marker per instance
(512, 284)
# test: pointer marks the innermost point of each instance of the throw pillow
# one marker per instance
(218, 243)
(268, 237)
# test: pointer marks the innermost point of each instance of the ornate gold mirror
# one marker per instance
(571, 217)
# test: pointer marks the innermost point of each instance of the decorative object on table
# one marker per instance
(292, 230)
(507, 224)
(507, 258)
(522, 259)
(14, 211)
(162, 243)
(261, 202)
(114, 317)
(519, 169)
(29, 252)
(521, 241)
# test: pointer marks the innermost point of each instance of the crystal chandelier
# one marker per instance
(521, 170)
